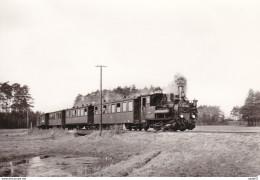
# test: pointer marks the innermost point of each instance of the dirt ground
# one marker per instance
(211, 151)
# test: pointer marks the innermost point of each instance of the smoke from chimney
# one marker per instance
(179, 80)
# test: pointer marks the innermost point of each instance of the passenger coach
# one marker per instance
(57, 119)
(79, 117)
(116, 112)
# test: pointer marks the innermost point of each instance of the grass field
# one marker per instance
(220, 151)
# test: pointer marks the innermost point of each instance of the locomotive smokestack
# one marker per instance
(181, 91)
(181, 82)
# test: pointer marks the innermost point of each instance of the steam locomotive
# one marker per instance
(166, 112)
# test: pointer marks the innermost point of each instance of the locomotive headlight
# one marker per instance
(193, 116)
(181, 116)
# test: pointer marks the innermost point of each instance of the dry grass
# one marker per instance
(143, 153)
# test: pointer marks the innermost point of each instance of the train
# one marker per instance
(166, 112)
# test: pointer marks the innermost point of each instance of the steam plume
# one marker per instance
(179, 80)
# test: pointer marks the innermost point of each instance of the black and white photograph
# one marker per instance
(129, 88)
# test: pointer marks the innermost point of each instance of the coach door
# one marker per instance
(63, 118)
(145, 101)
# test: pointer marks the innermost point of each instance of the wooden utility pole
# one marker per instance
(101, 106)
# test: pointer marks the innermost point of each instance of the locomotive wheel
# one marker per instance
(130, 128)
(157, 128)
(164, 128)
(191, 126)
(135, 128)
(140, 128)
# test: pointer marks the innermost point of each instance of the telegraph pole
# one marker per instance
(101, 106)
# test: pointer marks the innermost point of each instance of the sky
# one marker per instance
(53, 47)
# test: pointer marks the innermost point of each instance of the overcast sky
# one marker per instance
(53, 47)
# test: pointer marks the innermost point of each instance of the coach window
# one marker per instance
(144, 102)
(124, 106)
(118, 107)
(130, 106)
(113, 108)
(82, 112)
(96, 110)
(86, 111)
(104, 109)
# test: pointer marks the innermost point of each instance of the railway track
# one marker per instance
(87, 132)
(216, 132)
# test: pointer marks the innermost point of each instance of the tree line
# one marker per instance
(210, 115)
(116, 93)
(15, 102)
(250, 111)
